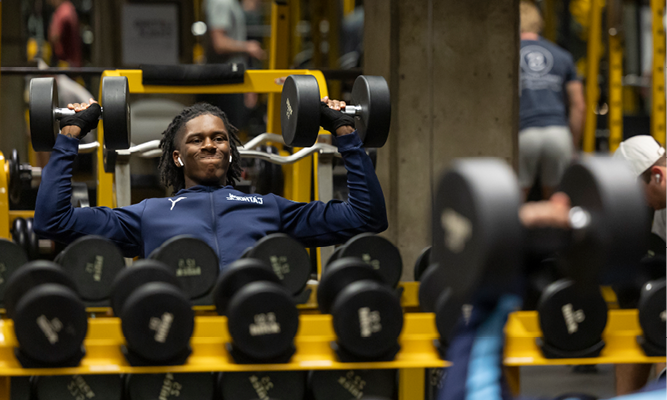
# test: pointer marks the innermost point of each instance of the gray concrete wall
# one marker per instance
(452, 67)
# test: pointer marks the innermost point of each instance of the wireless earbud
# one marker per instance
(657, 178)
(230, 158)
(180, 161)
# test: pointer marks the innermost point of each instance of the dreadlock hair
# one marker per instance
(170, 175)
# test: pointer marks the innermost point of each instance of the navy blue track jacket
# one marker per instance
(225, 218)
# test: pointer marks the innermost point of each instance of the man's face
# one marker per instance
(655, 188)
(204, 148)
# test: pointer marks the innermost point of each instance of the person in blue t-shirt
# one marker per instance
(552, 107)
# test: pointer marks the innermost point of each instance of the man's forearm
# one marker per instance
(223, 44)
(576, 125)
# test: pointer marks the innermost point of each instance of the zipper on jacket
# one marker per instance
(215, 227)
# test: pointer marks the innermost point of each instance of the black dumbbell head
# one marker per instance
(617, 235)
(32, 241)
(238, 274)
(263, 385)
(190, 386)
(288, 259)
(477, 236)
(29, 276)
(19, 233)
(339, 275)
(378, 252)
(300, 110)
(572, 317)
(371, 93)
(15, 185)
(193, 262)
(20, 388)
(367, 318)
(352, 384)
(12, 257)
(50, 320)
(422, 262)
(66, 387)
(652, 311)
(116, 110)
(140, 273)
(42, 103)
(334, 256)
(93, 263)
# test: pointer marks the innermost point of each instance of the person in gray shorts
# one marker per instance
(551, 114)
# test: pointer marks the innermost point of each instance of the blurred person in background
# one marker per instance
(64, 34)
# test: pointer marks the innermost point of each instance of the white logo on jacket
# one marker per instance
(248, 199)
(173, 202)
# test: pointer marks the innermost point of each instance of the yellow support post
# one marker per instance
(615, 91)
(658, 90)
(4, 197)
(411, 384)
(348, 6)
(592, 67)
(550, 20)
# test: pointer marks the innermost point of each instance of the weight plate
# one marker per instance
(141, 272)
(300, 110)
(193, 262)
(423, 261)
(192, 386)
(73, 387)
(15, 184)
(19, 234)
(367, 319)
(352, 384)
(372, 94)
(93, 262)
(262, 320)
(50, 323)
(268, 385)
(477, 237)
(334, 256)
(32, 241)
(287, 257)
(338, 276)
(616, 237)
(116, 112)
(572, 318)
(377, 252)
(110, 157)
(652, 312)
(157, 321)
(42, 104)
(29, 276)
(238, 274)
(12, 257)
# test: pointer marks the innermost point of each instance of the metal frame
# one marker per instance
(658, 115)
(615, 13)
(592, 67)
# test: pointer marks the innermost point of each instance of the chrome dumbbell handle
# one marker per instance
(579, 218)
(64, 112)
(352, 110)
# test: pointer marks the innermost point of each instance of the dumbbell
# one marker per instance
(12, 257)
(45, 113)
(156, 317)
(93, 263)
(68, 387)
(377, 252)
(252, 385)
(288, 259)
(194, 263)
(50, 320)
(651, 309)
(476, 227)
(300, 110)
(366, 311)
(262, 318)
(20, 388)
(187, 386)
(352, 384)
(20, 177)
(422, 262)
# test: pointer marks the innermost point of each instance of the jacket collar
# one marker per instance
(202, 189)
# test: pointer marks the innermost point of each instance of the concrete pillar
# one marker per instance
(452, 67)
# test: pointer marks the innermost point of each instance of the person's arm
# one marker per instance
(223, 44)
(56, 219)
(577, 110)
(324, 224)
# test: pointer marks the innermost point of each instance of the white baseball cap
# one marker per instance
(641, 152)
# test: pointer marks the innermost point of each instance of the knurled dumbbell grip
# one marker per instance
(351, 110)
(62, 112)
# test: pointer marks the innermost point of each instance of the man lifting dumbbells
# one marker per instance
(201, 162)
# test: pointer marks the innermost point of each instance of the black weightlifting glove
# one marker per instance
(331, 119)
(86, 120)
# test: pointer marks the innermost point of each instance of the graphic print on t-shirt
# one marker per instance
(536, 65)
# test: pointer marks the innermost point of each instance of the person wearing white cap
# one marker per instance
(646, 157)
